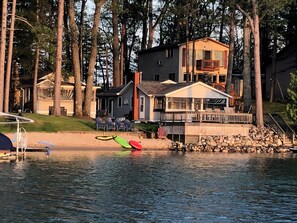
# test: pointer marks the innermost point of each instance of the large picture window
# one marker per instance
(180, 103)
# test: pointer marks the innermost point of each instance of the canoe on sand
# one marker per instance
(123, 142)
(104, 138)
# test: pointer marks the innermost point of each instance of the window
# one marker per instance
(156, 77)
(219, 55)
(169, 53)
(195, 77)
(222, 78)
(214, 103)
(214, 79)
(180, 103)
(120, 102)
(207, 55)
(187, 77)
(172, 76)
(141, 104)
(159, 104)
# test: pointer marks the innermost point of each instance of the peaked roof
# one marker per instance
(156, 88)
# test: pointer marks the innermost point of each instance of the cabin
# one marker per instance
(116, 102)
(207, 61)
(45, 95)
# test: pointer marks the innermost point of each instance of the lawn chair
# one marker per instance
(162, 133)
(119, 125)
(99, 124)
(109, 124)
(127, 125)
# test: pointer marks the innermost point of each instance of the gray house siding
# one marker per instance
(159, 63)
(126, 104)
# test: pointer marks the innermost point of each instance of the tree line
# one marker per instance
(91, 39)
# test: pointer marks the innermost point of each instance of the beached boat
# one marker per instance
(105, 138)
(123, 142)
(135, 145)
(293, 149)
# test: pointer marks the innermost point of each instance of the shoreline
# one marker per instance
(86, 140)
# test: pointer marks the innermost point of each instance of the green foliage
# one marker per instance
(292, 91)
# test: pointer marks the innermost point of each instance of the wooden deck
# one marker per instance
(207, 117)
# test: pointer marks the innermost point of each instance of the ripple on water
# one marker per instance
(149, 187)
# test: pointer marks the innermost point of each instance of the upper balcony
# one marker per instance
(207, 65)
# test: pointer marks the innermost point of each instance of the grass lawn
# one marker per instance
(279, 108)
(46, 123)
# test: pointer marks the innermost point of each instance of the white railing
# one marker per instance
(211, 117)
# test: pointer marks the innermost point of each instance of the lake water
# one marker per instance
(149, 186)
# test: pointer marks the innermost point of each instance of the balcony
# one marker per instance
(207, 65)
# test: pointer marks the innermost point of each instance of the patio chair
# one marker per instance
(99, 124)
(127, 125)
(109, 124)
(119, 125)
(162, 133)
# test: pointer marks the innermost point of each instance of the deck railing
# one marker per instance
(209, 65)
(210, 117)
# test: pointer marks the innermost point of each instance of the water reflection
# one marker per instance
(148, 186)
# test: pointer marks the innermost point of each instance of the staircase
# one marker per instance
(276, 122)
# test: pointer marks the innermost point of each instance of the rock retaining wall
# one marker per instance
(259, 140)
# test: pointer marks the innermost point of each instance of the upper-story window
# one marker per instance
(156, 77)
(207, 55)
(219, 55)
(169, 53)
(172, 76)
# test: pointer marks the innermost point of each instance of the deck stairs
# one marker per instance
(280, 127)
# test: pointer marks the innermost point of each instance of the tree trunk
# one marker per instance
(258, 84)
(81, 34)
(273, 72)
(93, 55)
(254, 22)
(58, 73)
(36, 66)
(231, 52)
(75, 60)
(9, 58)
(2, 51)
(150, 21)
(246, 73)
(115, 45)
(144, 27)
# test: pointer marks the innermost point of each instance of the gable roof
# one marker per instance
(115, 91)
(154, 88)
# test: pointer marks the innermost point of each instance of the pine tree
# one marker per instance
(292, 91)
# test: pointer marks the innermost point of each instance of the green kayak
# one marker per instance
(123, 142)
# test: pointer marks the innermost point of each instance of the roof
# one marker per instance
(155, 88)
(115, 91)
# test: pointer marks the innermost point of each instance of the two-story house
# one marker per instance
(206, 61)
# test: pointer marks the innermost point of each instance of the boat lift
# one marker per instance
(6, 118)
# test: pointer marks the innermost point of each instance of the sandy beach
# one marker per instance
(87, 140)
